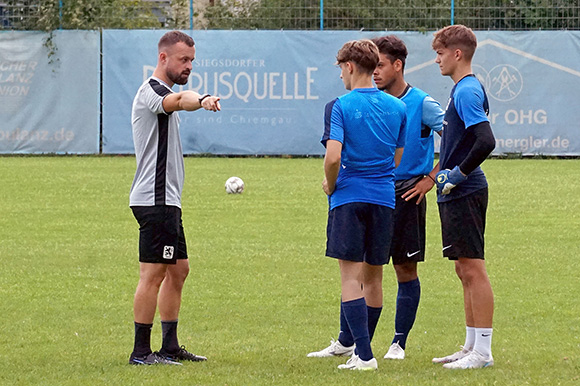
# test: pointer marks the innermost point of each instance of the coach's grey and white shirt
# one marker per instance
(160, 172)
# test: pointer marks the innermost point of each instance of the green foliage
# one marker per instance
(261, 294)
(47, 15)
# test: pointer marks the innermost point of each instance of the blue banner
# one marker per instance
(49, 93)
(274, 85)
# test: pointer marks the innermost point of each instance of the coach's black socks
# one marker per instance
(142, 345)
(170, 343)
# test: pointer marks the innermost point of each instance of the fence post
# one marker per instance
(190, 14)
(452, 12)
(59, 14)
(321, 15)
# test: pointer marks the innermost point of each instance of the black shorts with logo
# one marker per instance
(408, 243)
(360, 232)
(463, 225)
(161, 236)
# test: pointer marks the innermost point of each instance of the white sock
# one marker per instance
(483, 341)
(469, 338)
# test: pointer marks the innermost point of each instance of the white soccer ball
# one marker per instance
(234, 185)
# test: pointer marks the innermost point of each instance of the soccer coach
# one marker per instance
(155, 198)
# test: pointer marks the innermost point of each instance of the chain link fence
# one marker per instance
(374, 15)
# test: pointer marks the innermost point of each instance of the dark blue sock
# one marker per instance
(407, 304)
(355, 312)
(374, 314)
(345, 337)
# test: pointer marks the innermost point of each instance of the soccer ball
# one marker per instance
(234, 185)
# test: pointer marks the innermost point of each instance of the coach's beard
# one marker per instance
(180, 79)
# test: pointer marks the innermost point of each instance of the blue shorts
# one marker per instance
(161, 236)
(360, 232)
(463, 225)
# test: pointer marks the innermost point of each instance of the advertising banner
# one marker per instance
(49, 93)
(274, 85)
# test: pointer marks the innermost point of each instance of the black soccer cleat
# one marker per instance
(152, 359)
(184, 355)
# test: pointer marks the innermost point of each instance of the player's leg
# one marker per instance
(408, 248)
(341, 228)
(373, 293)
(408, 296)
(355, 311)
(467, 222)
(479, 307)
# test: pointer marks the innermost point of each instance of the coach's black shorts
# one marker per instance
(463, 225)
(360, 232)
(161, 237)
(408, 243)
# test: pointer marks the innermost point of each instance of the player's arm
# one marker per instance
(482, 147)
(190, 101)
(422, 187)
(331, 165)
(432, 117)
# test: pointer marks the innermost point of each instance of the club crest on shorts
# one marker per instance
(168, 252)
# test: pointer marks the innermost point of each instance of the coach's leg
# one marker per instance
(170, 293)
(145, 302)
(170, 304)
(150, 278)
(408, 296)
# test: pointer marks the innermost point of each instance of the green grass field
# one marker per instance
(261, 294)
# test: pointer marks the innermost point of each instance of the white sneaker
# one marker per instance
(336, 349)
(355, 363)
(395, 352)
(473, 361)
(453, 357)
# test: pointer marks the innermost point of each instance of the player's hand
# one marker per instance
(211, 103)
(448, 179)
(326, 188)
(420, 189)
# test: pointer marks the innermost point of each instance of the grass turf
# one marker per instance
(261, 294)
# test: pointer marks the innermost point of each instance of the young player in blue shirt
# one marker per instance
(463, 194)
(414, 177)
(364, 139)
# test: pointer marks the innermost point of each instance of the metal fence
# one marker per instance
(374, 15)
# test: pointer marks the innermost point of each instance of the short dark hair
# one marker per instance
(392, 47)
(174, 37)
(364, 53)
(456, 36)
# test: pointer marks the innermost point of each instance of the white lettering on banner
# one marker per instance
(244, 85)
(14, 78)
(14, 90)
(229, 63)
(18, 66)
(514, 117)
(18, 134)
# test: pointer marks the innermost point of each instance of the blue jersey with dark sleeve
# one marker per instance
(424, 116)
(467, 106)
(370, 124)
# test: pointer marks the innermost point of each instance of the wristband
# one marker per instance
(201, 98)
(429, 175)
